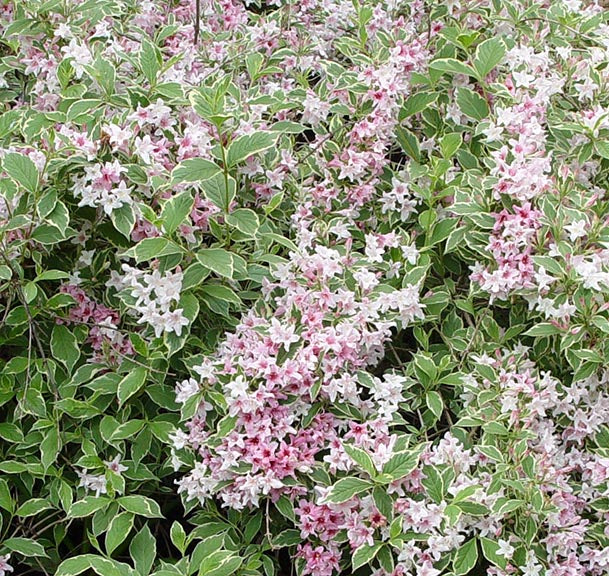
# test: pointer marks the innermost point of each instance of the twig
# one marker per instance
(197, 20)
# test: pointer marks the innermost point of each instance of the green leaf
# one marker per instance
(33, 506)
(491, 452)
(488, 54)
(489, 550)
(126, 430)
(364, 555)
(194, 170)
(465, 558)
(178, 536)
(104, 72)
(287, 127)
(287, 538)
(408, 142)
(47, 234)
(59, 217)
(11, 432)
(361, 458)
(434, 403)
(143, 550)
(221, 293)
(220, 191)
(6, 500)
(25, 546)
(452, 66)
(383, 501)
(244, 220)
(505, 506)
(175, 210)
(130, 384)
(80, 110)
(218, 260)
(64, 346)
(22, 170)
(33, 402)
(74, 566)
(247, 145)
(140, 505)
(46, 204)
(449, 144)
(472, 104)
(602, 323)
(253, 64)
(87, 506)
(443, 229)
(347, 488)
(118, 530)
(50, 447)
(220, 563)
(123, 219)
(150, 60)
(194, 275)
(473, 508)
(425, 367)
(543, 329)
(401, 464)
(5, 272)
(51, 275)
(152, 248)
(602, 148)
(416, 103)
(453, 513)
(285, 506)
(101, 566)
(162, 430)
(274, 202)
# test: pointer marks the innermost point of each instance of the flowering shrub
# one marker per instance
(304, 287)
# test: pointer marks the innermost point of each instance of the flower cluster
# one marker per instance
(155, 297)
(331, 275)
(108, 342)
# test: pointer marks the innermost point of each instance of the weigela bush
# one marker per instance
(310, 288)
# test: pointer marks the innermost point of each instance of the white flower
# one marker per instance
(577, 229)
(493, 132)
(118, 136)
(373, 250)
(95, 483)
(174, 321)
(427, 569)
(283, 334)
(5, 567)
(86, 258)
(63, 31)
(80, 57)
(144, 147)
(115, 281)
(523, 79)
(206, 370)
(237, 387)
(179, 439)
(176, 463)
(74, 278)
(505, 548)
(186, 389)
(366, 279)
(543, 279)
(411, 253)
(115, 465)
(315, 110)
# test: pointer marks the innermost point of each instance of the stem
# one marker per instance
(227, 198)
(197, 20)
